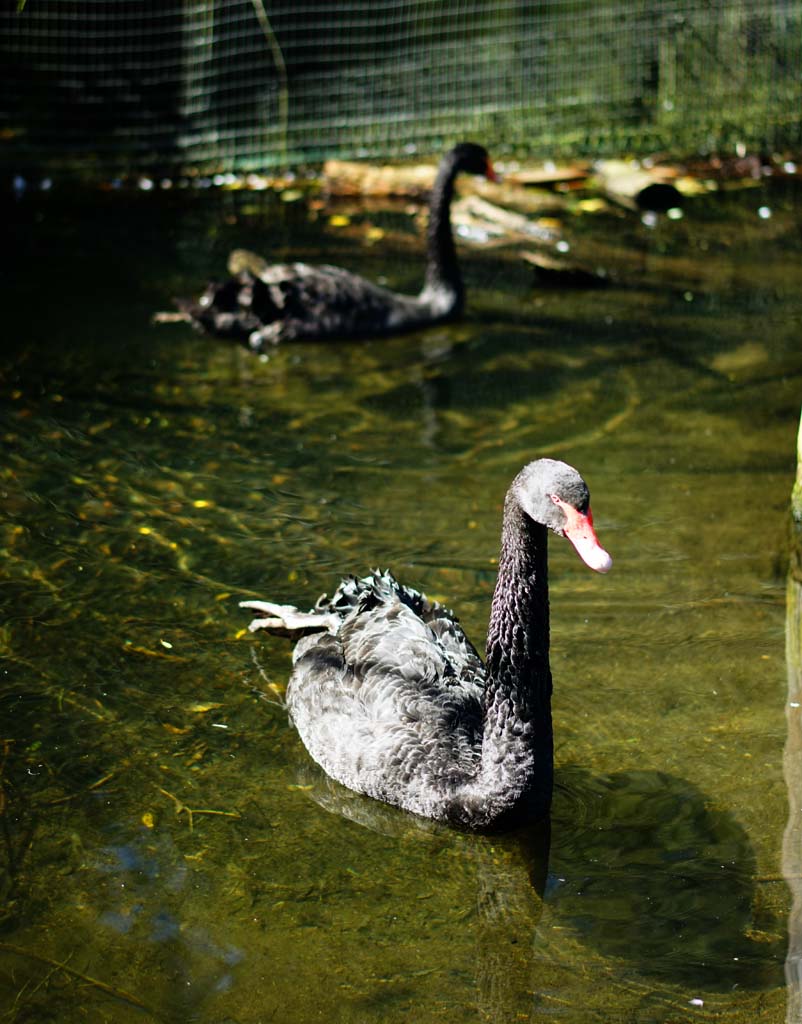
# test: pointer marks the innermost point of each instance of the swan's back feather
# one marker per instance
(291, 301)
(391, 703)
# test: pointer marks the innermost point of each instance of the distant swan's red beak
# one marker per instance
(579, 530)
(490, 174)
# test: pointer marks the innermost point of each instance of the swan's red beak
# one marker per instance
(490, 174)
(579, 530)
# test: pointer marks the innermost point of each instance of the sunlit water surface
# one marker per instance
(164, 834)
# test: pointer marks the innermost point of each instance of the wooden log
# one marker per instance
(792, 755)
(796, 493)
(548, 176)
(414, 181)
(501, 220)
(352, 178)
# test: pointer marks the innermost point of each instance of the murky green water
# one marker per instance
(163, 832)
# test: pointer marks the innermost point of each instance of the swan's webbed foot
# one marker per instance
(262, 339)
(287, 618)
(265, 338)
(283, 328)
(166, 316)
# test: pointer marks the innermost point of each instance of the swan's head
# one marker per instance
(473, 159)
(554, 494)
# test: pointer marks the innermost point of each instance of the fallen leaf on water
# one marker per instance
(745, 356)
(201, 707)
(96, 428)
(594, 205)
(549, 223)
(131, 648)
(174, 730)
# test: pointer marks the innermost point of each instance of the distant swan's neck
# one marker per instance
(443, 283)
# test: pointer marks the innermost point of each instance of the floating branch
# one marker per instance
(181, 808)
(110, 990)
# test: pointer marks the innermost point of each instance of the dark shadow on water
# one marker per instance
(647, 869)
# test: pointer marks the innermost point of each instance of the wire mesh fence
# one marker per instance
(105, 87)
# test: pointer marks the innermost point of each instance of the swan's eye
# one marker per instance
(583, 508)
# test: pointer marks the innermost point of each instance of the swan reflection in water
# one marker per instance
(636, 883)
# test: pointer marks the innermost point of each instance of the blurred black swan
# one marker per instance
(263, 304)
(392, 700)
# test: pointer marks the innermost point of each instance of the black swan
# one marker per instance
(391, 698)
(262, 305)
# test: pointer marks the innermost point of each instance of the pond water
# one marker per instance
(164, 834)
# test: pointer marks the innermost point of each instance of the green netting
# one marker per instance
(113, 86)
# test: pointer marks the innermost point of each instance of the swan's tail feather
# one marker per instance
(217, 313)
(285, 618)
(240, 260)
(237, 308)
(166, 316)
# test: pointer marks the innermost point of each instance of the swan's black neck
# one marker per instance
(442, 269)
(516, 770)
(518, 675)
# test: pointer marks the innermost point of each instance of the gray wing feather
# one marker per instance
(394, 695)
